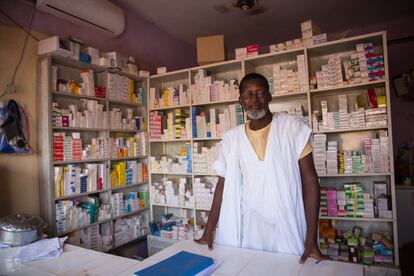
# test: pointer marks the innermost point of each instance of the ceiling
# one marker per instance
(188, 19)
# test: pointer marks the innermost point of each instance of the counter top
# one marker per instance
(235, 261)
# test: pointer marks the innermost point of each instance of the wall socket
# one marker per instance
(10, 88)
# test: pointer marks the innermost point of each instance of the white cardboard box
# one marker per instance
(54, 45)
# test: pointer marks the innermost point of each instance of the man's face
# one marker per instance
(255, 99)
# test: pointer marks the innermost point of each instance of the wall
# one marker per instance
(19, 174)
(151, 46)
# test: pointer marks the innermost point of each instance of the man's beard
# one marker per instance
(256, 114)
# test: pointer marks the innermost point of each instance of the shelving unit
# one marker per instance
(70, 69)
(308, 98)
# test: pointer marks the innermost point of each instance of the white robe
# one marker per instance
(262, 206)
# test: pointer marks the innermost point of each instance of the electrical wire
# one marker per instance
(18, 24)
(24, 45)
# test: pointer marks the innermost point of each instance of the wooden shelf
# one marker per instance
(354, 174)
(69, 95)
(82, 194)
(346, 88)
(290, 95)
(351, 129)
(170, 107)
(80, 161)
(128, 186)
(140, 238)
(216, 102)
(207, 139)
(130, 213)
(172, 173)
(205, 174)
(134, 77)
(126, 130)
(128, 158)
(358, 219)
(124, 103)
(203, 209)
(79, 129)
(165, 141)
(172, 206)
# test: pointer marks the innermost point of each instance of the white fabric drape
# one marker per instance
(262, 206)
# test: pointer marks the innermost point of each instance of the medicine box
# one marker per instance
(117, 61)
(54, 45)
(210, 49)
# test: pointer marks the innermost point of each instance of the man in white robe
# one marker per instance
(267, 195)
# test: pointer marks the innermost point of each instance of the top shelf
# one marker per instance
(348, 88)
(327, 48)
(66, 61)
(344, 45)
(69, 95)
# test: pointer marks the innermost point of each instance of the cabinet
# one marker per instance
(94, 153)
(340, 88)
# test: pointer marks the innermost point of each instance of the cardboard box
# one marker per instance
(210, 49)
(117, 61)
(54, 45)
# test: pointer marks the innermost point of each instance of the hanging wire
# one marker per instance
(24, 43)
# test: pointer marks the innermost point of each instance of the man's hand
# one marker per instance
(311, 251)
(206, 238)
(210, 228)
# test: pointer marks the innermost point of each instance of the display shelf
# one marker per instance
(134, 77)
(207, 139)
(348, 88)
(290, 95)
(73, 63)
(402, 187)
(79, 129)
(80, 161)
(166, 141)
(124, 103)
(204, 174)
(260, 59)
(81, 228)
(172, 173)
(351, 129)
(127, 130)
(82, 194)
(68, 95)
(131, 242)
(128, 186)
(314, 57)
(203, 209)
(216, 102)
(69, 69)
(358, 219)
(177, 72)
(128, 158)
(130, 213)
(345, 44)
(354, 174)
(172, 206)
(170, 107)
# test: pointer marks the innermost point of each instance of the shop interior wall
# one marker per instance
(152, 47)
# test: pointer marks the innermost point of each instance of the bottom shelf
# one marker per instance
(131, 242)
(387, 266)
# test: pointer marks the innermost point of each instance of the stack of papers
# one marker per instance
(183, 263)
(3, 245)
(40, 250)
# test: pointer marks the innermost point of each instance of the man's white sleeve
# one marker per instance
(300, 132)
(220, 161)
